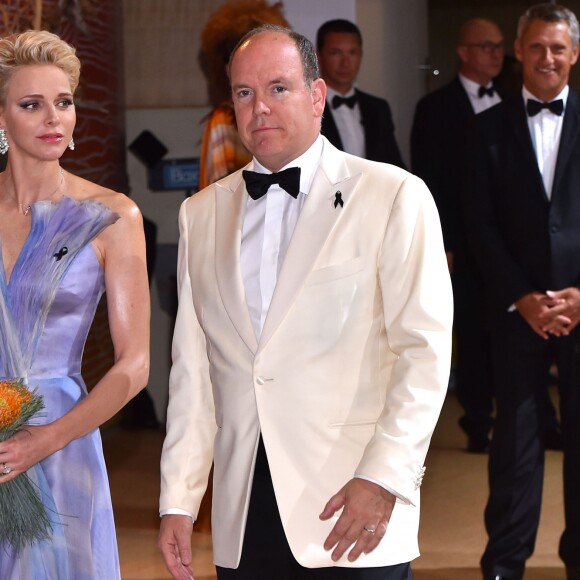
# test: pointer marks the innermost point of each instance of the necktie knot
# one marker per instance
(258, 184)
(337, 101)
(533, 107)
(485, 91)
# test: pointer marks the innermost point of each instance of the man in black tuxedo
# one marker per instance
(522, 209)
(437, 141)
(353, 121)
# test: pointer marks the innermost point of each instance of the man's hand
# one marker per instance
(365, 506)
(543, 313)
(175, 544)
(567, 310)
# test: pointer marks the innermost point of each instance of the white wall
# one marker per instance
(395, 44)
(305, 16)
(179, 131)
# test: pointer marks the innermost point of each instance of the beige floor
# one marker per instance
(452, 536)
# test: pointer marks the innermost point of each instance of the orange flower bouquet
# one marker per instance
(23, 517)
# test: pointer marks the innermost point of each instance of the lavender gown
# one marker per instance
(45, 313)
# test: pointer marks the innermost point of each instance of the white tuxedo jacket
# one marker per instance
(349, 374)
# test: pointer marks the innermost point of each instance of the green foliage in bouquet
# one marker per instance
(23, 517)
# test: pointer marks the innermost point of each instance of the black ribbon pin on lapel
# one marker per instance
(338, 199)
(62, 252)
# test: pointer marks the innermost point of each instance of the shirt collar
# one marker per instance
(330, 93)
(471, 87)
(308, 163)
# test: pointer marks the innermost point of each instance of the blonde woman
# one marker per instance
(63, 242)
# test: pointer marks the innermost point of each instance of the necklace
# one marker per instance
(26, 208)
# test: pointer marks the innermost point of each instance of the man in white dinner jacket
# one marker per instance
(312, 344)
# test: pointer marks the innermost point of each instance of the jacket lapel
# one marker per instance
(462, 100)
(518, 118)
(329, 128)
(366, 117)
(317, 218)
(230, 209)
(569, 137)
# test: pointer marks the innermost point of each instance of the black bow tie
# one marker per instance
(485, 91)
(258, 184)
(337, 100)
(534, 107)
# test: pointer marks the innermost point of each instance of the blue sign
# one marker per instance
(172, 174)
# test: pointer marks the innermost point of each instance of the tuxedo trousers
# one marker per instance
(266, 554)
(516, 462)
(474, 371)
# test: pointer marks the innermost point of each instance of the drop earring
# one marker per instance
(71, 144)
(3, 142)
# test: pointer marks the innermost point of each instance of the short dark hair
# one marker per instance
(305, 48)
(549, 12)
(338, 25)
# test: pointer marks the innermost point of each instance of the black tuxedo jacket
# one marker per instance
(380, 143)
(523, 241)
(437, 142)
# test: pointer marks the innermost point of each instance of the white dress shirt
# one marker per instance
(545, 131)
(478, 103)
(349, 124)
(268, 226)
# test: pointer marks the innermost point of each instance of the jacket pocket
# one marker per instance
(335, 272)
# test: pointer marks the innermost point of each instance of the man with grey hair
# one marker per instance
(522, 210)
(311, 348)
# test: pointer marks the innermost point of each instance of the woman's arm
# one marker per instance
(121, 250)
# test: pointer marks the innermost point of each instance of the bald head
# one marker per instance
(474, 27)
(480, 50)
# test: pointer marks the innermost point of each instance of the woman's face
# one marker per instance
(39, 113)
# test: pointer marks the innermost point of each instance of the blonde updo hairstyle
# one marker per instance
(36, 47)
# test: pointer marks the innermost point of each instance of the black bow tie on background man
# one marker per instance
(258, 184)
(534, 107)
(485, 91)
(337, 101)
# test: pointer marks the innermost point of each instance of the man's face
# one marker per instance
(481, 52)
(546, 53)
(278, 116)
(339, 60)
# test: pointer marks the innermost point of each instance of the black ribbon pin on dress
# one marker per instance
(62, 252)
(338, 199)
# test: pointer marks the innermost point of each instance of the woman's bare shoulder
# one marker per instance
(81, 189)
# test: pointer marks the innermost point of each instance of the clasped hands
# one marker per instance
(554, 312)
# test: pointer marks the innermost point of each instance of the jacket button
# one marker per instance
(260, 380)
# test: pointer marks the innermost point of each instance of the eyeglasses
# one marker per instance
(488, 47)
